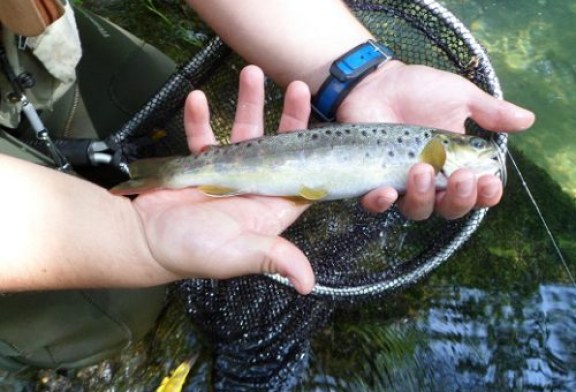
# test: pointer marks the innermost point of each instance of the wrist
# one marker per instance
(386, 76)
(345, 73)
(151, 260)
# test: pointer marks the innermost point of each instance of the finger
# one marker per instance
(418, 202)
(498, 115)
(197, 122)
(460, 195)
(274, 254)
(490, 191)
(249, 119)
(296, 111)
(379, 200)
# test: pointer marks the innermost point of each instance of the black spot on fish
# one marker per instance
(426, 134)
(379, 142)
(248, 145)
(338, 133)
(300, 135)
(407, 133)
(417, 140)
(328, 132)
(411, 154)
(367, 155)
(348, 131)
(391, 154)
(383, 132)
(314, 136)
(400, 140)
(364, 133)
(374, 131)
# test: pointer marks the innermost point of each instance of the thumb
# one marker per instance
(274, 254)
(499, 115)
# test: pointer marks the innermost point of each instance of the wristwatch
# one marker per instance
(345, 72)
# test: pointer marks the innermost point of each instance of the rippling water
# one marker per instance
(478, 340)
(470, 340)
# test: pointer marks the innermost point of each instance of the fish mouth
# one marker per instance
(501, 172)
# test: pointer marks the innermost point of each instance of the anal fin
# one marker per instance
(218, 191)
(312, 194)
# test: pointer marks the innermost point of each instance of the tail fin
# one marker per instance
(146, 175)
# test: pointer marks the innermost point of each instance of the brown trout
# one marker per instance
(334, 162)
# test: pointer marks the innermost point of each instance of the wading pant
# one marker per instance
(76, 328)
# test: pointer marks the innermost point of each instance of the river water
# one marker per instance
(531, 44)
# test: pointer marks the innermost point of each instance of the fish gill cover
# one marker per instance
(260, 327)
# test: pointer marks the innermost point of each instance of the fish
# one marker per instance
(338, 161)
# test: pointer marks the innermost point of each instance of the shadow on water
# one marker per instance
(500, 315)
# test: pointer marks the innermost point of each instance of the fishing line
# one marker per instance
(541, 216)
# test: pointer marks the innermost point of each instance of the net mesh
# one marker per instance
(260, 327)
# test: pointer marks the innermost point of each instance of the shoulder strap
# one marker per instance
(29, 17)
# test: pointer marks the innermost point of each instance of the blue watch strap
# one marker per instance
(345, 73)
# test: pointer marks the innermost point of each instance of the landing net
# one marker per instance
(260, 326)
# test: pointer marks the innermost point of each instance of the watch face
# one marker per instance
(359, 60)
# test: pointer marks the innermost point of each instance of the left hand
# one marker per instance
(193, 235)
(421, 95)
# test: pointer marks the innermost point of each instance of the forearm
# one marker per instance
(290, 40)
(57, 231)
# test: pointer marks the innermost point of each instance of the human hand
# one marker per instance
(421, 95)
(194, 235)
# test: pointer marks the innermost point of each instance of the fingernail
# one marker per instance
(295, 283)
(491, 189)
(384, 202)
(423, 182)
(464, 188)
(298, 286)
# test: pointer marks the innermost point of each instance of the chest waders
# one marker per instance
(76, 328)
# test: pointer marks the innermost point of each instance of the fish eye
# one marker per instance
(478, 143)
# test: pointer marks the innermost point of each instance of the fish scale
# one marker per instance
(326, 163)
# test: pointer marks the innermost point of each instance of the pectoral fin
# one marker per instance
(434, 154)
(312, 194)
